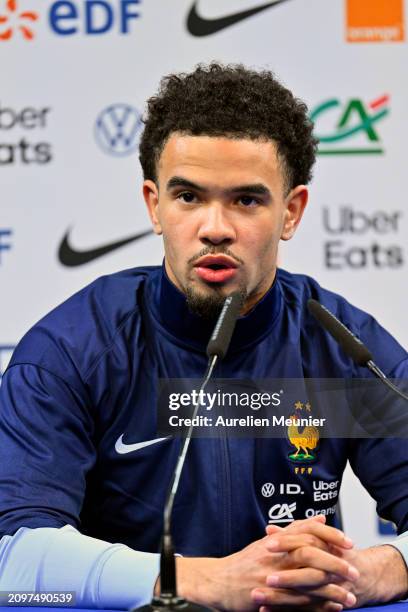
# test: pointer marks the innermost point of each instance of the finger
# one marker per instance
(282, 599)
(320, 518)
(331, 535)
(327, 606)
(317, 518)
(309, 556)
(279, 597)
(287, 543)
(337, 550)
(301, 578)
(335, 593)
(312, 582)
(270, 529)
(330, 606)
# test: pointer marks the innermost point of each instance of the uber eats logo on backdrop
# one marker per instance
(67, 17)
(350, 127)
(22, 138)
(361, 239)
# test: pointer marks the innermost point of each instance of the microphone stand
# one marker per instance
(351, 345)
(216, 349)
(373, 367)
(354, 348)
(168, 597)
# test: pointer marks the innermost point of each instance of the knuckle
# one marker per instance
(320, 577)
(336, 592)
(311, 540)
(271, 597)
(306, 554)
(344, 568)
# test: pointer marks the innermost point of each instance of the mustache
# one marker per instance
(215, 251)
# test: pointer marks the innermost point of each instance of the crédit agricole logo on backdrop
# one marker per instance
(21, 18)
(351, 126)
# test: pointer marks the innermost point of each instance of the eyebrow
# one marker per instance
(178, 181)
(255, 188)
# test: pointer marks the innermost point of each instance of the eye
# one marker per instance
(247, 201)
(186, 196)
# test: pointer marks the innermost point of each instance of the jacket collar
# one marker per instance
(170, 307)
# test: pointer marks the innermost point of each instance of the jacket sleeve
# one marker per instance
(381, 464)
(102, 575)
(46, 451)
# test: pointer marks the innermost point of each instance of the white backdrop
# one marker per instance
(76, 73)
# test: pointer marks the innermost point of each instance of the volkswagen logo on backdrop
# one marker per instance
(117, 129)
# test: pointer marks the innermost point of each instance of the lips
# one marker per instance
(216, 268)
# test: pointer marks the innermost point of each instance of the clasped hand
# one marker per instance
(306, 565)
(297, 566)
(309, 571)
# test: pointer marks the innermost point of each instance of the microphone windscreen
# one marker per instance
(221, 336)
(350, 344)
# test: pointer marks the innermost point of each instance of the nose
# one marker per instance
(216, 226)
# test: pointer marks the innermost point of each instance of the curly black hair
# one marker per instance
(231, 101)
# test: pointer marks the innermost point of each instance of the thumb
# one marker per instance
(271, 529)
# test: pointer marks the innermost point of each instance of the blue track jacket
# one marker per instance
(79, 398)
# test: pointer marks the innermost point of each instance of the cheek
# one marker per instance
(178, 223)
(177, 244)
(261, 243)
(171, 244)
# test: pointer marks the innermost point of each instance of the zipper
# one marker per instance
(226, 466)
(226, 491)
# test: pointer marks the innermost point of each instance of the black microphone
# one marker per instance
(351, 345)
(216, 350)
(221, 336)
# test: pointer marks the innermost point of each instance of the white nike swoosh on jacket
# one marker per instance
(123, 448)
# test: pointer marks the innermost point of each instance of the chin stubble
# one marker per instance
(208, 306)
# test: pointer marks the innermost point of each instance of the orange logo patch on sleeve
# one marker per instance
(375, 21)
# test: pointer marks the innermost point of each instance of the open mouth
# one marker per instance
(216, 269)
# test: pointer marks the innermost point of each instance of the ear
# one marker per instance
(295, 203)
(151, 196)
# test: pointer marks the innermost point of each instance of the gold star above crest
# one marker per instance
(298, 405)
(308, 407)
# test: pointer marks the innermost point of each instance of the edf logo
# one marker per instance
(68, 17)
(96, 17)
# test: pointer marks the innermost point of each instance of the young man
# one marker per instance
(226, 154)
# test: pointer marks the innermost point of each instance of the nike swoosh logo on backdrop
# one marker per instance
(122, 448)
(71, 257)
(200, 26)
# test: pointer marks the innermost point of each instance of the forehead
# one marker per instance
(220, 159)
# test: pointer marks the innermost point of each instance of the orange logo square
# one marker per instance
(375, 20)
